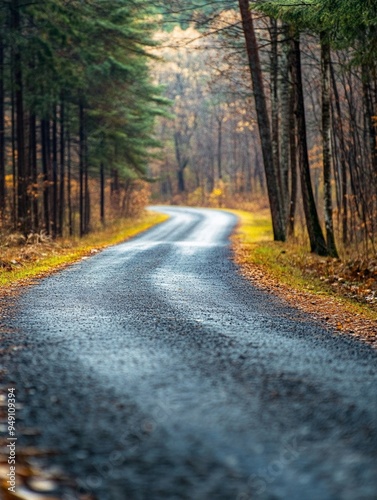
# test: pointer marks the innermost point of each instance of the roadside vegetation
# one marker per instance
(274, 109)
(340, 292)
(22, 261)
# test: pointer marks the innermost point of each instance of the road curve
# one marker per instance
(157, 372)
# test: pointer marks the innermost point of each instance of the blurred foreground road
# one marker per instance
(157, 372)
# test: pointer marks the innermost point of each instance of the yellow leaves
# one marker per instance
(216, 198)
(197, 197)
(176, 39)
(217, 192)
(244, 124)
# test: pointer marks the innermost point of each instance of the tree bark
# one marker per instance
(293, 166)
(317, 240)
(69, 182)
(102, 194)
(34, 170)
(343, 164)
(370, 125)
(86, 186)
(181, 180)
(62, 169)
(277, 212)
(2, 133)
(54, 201)
(286, 126)
(22, 181)
(45, 134)
(275, 119)
(81, 169)
(14, 160)
(182, 163)
(326, 144)
(219, 146)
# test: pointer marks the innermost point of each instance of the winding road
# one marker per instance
(158, 372)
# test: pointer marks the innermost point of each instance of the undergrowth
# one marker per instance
(22, 261)
(353, 282)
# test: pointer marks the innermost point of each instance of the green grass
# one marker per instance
(288, 263)
(56, 255)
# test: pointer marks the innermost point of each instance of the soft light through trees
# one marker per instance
(209, 137)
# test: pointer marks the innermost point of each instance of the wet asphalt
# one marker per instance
(155, 371)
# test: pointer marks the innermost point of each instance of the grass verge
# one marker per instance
(19, 265)
(311, 283)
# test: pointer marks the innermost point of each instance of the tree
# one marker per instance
(326, 143)
(79, 73)
(272, 175)
(317, 241)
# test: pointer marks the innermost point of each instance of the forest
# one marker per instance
(188, 249)
(77, 108)
(278, 101)
(209, 103)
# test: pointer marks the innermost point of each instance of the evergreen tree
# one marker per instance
(79, 73)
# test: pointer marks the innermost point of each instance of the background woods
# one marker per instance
(279, 101)
(275, 104)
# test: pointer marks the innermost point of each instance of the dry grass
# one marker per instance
(20, 262)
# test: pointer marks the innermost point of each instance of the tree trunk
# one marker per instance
(81, 168)
(293, 166)
(54, 201)
(45, 134)
(277, 212)
(102, 195)
(87, 211)
(343, 164)
(370, 125)
(181, 180)
(22, 181)
(2, 134)
(286, 128)
(62, 169)
(219, 146)
(326, 144)
(275, 121)
(69, 183)
(182, 163)
(34, 170)
(14, 160)
(317, 240)
(86, 190)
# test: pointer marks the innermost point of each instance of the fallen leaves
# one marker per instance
(34, 480)
(356, 281)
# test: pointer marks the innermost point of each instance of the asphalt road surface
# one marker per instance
(157, 372)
